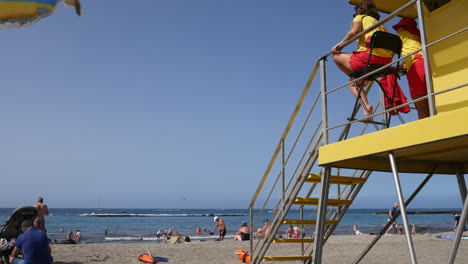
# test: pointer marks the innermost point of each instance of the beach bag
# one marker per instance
(147, 258)
(243, 255)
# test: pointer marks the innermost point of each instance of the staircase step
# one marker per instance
(315, 201)
(286, 258)
(316, 178)
(307, 222)
(293, 240)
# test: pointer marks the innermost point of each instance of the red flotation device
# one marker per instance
(147, 258)
(243, 255)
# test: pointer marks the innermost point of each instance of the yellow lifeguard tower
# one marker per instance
(312, 157)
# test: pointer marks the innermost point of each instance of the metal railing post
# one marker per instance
(427, 65)
(323, 92)
(283, 172)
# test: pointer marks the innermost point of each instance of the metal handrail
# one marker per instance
(285, 133)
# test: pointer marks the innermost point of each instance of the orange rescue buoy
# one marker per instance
(147, 258)
(243, 255)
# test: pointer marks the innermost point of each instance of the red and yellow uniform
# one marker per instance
(414, 64)
(360, 57)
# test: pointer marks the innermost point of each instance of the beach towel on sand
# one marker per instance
(147, 258)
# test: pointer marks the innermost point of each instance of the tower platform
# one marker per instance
(440, 140)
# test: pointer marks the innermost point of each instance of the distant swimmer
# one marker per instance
(42, 211)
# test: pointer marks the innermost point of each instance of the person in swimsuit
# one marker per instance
(243, 233)
(42, 211)
(221, 226)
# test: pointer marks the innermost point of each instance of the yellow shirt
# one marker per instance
(411, 43)
(364, 41)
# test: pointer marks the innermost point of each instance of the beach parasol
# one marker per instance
(21, 13)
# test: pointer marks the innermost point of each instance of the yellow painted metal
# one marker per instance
(449, 58)
(316, 178)
(293, 240)
(388, 7)
(439, 140)
(315, 201)
(307, 222)
(285, 258)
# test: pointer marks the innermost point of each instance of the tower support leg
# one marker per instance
(459, 233)
(321, 216)
(401, 200)
(384, 229)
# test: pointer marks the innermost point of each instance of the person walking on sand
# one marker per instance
(391, 213)
(221, 226)
(42, 211)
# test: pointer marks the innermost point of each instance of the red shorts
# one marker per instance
(417, 79)
(359, 59)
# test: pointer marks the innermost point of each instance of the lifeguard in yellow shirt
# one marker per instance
(366, 15)
(410, 36)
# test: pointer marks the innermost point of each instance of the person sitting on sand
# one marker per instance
(175, 238)
(359, 233)
(243, 233)
(265, 230)
(34, 244)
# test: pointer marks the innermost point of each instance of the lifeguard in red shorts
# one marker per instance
(414, 64)
(366, 16)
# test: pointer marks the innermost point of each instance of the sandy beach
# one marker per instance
(339, 249)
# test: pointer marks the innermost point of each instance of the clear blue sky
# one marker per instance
(141, 103)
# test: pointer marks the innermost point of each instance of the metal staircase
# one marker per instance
(304, 190)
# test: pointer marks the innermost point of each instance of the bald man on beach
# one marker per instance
(42, 211)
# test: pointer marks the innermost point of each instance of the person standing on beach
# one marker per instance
(296, 232)
(34, 244)
(457, 222)
(78, 236)
(391, 213)
(42, 211)
(221, 226)
(290, 232)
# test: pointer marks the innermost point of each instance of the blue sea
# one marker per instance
(141, 225)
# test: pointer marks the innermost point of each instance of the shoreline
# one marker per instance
(429, 249)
